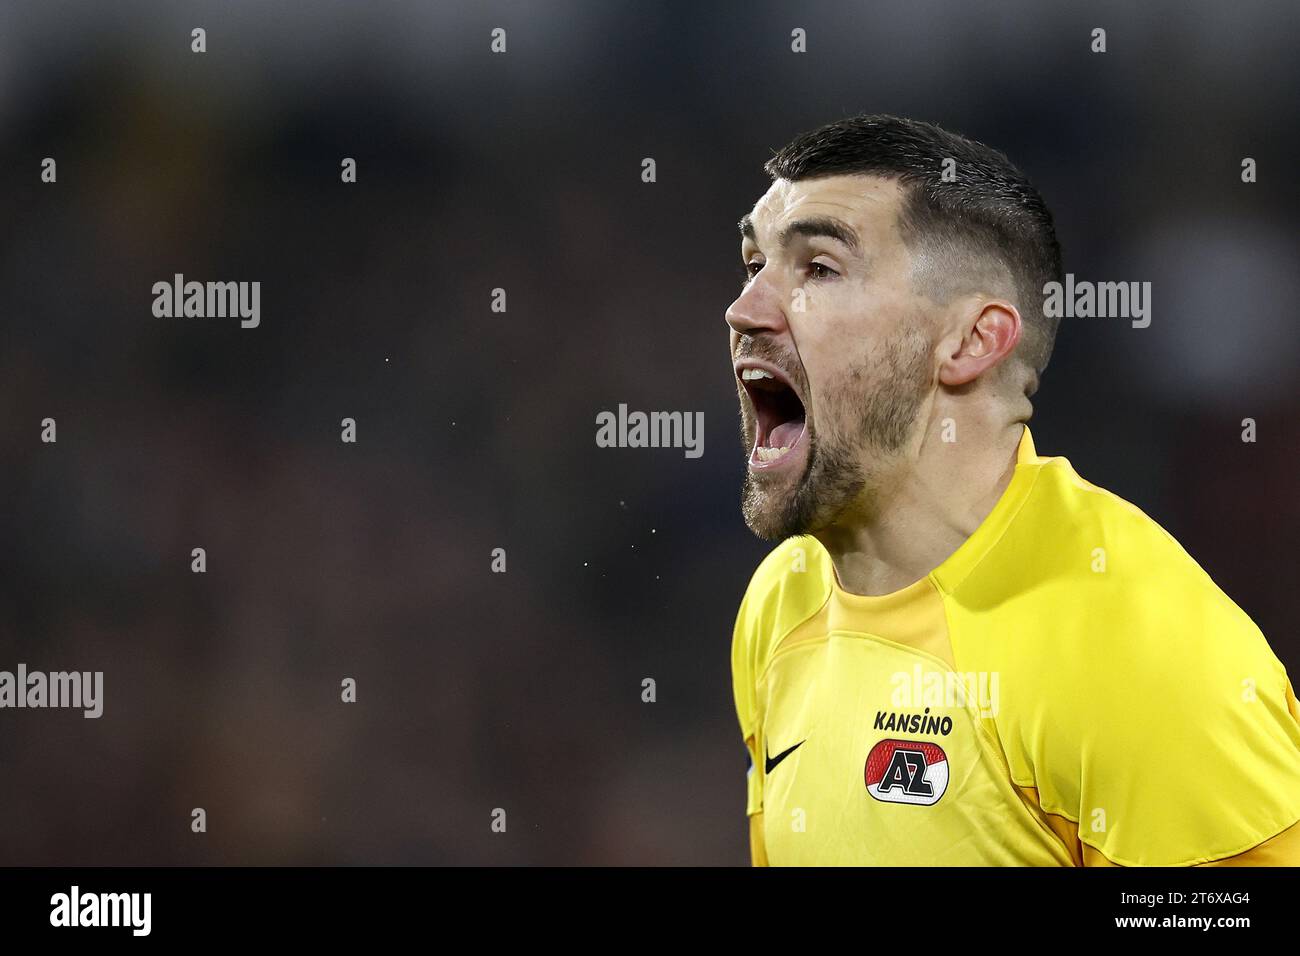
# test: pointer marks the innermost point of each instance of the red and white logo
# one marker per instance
(906, 771)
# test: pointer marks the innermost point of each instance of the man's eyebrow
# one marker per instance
(826, 226)
(747, 228)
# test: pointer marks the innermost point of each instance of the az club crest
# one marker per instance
(906, 771)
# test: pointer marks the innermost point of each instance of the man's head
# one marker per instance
(891, 269)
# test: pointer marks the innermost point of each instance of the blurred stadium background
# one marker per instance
(476, 430)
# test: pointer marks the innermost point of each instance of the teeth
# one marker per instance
(771, 454)
(749, 374)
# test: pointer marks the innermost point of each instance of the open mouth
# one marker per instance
(778, 413)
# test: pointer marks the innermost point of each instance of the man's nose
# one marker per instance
(757, 309)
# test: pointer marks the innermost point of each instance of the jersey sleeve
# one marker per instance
(1281, 850)
(744, 694)
(1199, 760)
(787, 587)
(743, 678)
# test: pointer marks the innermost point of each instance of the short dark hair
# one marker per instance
(989, 217)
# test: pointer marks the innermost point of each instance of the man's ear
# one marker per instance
(991, 332)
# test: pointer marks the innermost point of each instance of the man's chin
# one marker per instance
(778, 507)
(766, 530)
(771, 515)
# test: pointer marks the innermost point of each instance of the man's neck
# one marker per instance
(932, 503)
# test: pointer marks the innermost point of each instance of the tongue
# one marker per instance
(787, 433)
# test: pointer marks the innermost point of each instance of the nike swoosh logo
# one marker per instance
(770, 763)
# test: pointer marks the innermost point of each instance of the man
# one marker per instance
(963, 653)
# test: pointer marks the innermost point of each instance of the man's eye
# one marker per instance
(748, 271)
(827, 270)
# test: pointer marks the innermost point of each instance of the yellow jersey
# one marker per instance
(1068, 688)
